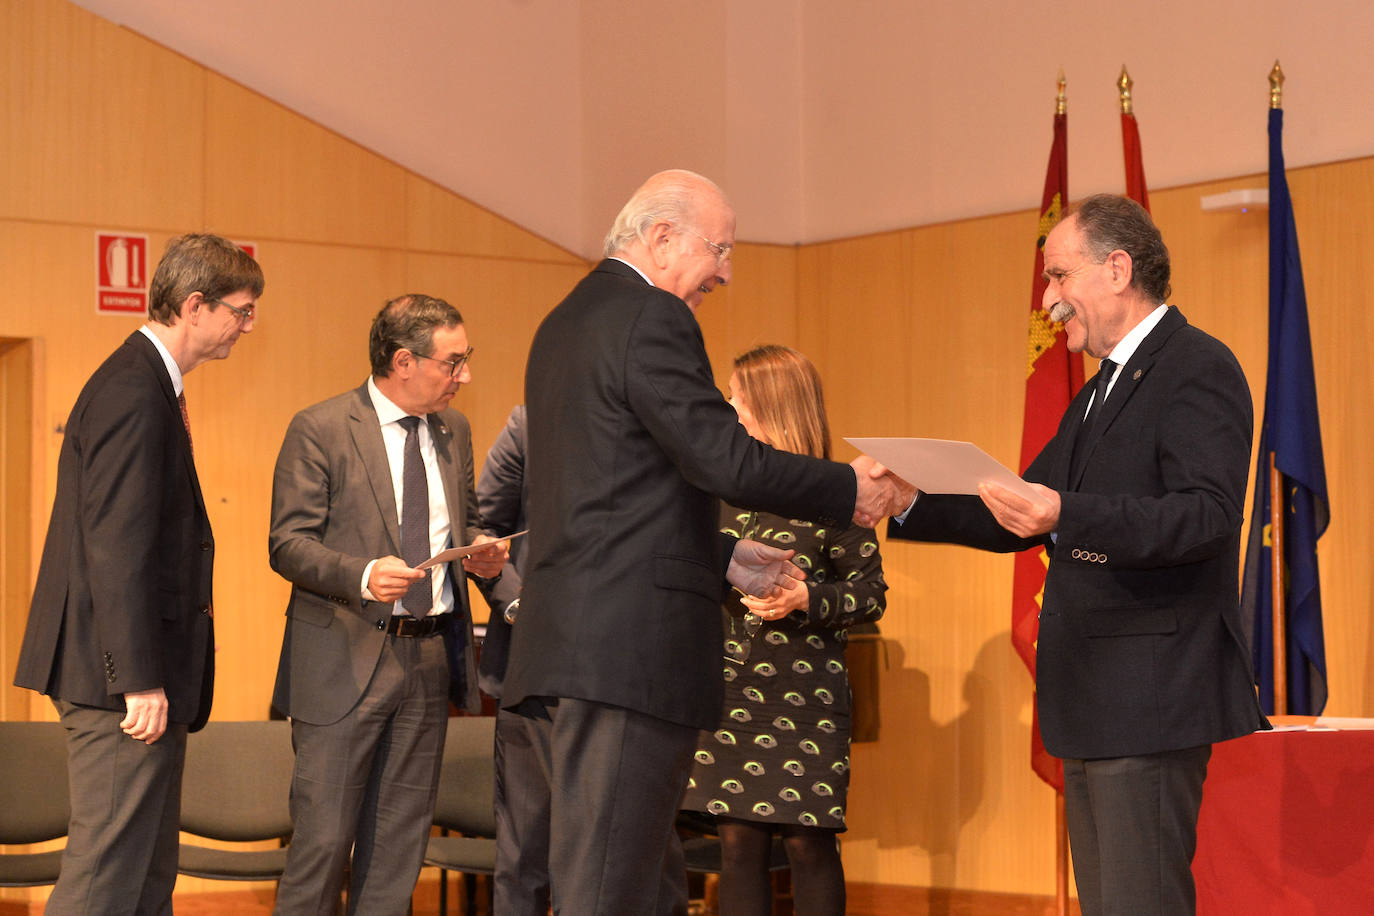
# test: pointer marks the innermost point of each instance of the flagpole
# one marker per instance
(1123, 85)
(1276, 588)
(1276, 520)
(1061, 822)
(1130, 143)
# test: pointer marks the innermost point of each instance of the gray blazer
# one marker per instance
(333, 511)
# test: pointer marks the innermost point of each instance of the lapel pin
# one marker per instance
(1136, 377)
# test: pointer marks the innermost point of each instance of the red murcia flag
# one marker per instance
(1135, 164)
(1053, 376)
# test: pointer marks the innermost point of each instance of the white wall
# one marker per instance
(821, 119)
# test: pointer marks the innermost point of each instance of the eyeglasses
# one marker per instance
(245, 313)
(455, 366)
(722, 252)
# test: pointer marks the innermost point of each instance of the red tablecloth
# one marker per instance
(1287, 826)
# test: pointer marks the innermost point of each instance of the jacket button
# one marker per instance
(204, 545)
(381, 624)
(112, 677)
(205, 609)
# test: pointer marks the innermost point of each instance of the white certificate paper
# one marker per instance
(467, 550)
(943, 465)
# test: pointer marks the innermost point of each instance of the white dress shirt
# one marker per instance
(440, 529)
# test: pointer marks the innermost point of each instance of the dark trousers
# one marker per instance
(1133, 829)
(121, 854)
(365, 786)
(616, 778)
(522, 819)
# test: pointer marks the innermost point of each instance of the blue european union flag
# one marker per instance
(1290, 433)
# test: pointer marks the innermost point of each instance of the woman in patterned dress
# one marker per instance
(779, 763)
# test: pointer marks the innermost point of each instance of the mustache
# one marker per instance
(1061, 312)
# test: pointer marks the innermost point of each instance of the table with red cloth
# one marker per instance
(1287, 823)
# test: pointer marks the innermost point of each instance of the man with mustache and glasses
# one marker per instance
(1140, 663)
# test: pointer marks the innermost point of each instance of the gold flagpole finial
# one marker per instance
(1061, 102)
(1124, 84)
(1276, 86)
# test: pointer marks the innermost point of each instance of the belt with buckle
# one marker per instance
(414, 627)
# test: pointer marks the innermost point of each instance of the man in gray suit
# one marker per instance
(120, 632)
(369, 485)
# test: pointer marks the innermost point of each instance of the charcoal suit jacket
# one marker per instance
(1139, 646)
(630, 446)
(123, 597)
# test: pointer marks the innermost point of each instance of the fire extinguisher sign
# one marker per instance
(121, 271)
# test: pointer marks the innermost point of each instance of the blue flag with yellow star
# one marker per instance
(1290, 433)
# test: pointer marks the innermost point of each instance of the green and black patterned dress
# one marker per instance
(781, 754)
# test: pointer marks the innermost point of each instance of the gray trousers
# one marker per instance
(615, 778)
(121, 855)
(363, 789)
(522, 819)
(1133, 828)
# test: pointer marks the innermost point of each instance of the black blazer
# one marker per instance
(630, 444)
(122, 601)
(333, 511)
(1139, 648)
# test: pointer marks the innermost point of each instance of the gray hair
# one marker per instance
(1108, 222)
(667, 197)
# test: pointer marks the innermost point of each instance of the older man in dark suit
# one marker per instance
(615, 653)
(120, 633)
(369, 485)
(1139, 495)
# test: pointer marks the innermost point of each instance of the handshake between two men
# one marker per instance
(764, 571)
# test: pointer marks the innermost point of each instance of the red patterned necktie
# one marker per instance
(186, 421)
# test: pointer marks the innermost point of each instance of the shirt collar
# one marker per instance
(172, 368)
(387, 411)
(1121, 354)
(635, 269)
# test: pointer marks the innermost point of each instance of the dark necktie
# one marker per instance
(1104, 378)
(186, 421)
(419, 599)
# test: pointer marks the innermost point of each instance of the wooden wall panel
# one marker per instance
(855, 321)
(437, 220)
(916, 332)
(759, 306)
(101, 126)
(1335, 214)
(308, 343)
(17, 427)
(502, 303)
(270, 174)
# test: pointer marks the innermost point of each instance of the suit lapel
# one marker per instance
(1136, 370)
(149, 354)
(442, 437)
(367, 439)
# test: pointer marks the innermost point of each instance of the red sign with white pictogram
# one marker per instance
(121, 270)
